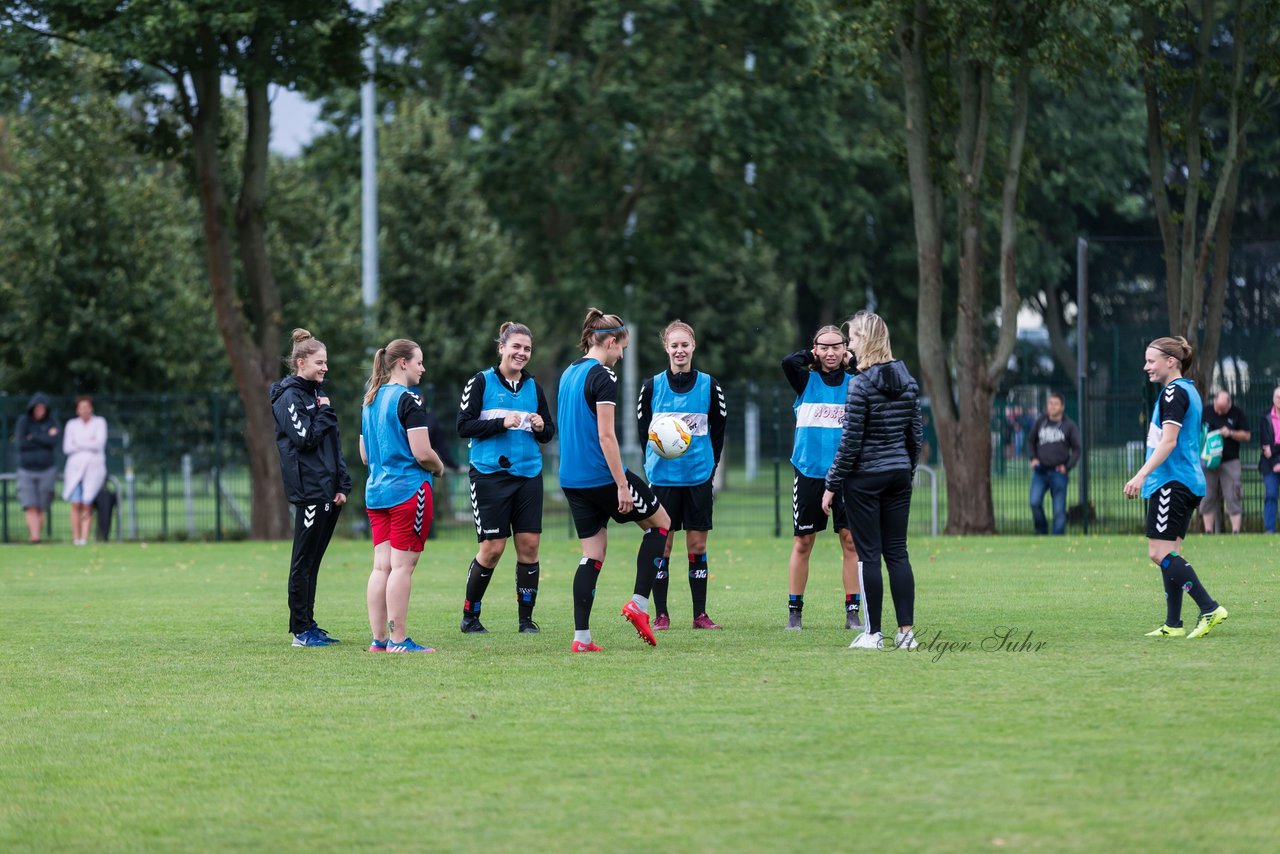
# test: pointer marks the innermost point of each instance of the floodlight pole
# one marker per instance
(1082, 367)
(369, 181)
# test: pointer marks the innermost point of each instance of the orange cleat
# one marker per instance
(579, 646)
(640, 620)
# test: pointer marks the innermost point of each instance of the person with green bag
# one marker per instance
(1224, 426)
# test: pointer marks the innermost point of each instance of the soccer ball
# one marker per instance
(669, 437)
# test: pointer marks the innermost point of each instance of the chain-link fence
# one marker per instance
(177, 464)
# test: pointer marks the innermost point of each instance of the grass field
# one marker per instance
(149, 700)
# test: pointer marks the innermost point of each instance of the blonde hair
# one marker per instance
(304, 347)
(1176, 347)
(871, 335)
(597, 327)
(383, 360)
(678, 326)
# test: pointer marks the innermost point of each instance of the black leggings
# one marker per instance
(878, 506)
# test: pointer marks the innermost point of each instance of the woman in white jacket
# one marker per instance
(85, 444)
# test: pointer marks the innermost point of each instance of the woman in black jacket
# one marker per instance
(315, 477)
(874, 466)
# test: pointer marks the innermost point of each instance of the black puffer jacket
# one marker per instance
(311, 462)
(883, 429)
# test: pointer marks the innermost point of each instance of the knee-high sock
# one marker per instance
(661, 584)
(526, 588)
(584, 592)
(698, 582)
(478, 577)
(1185, 577)
(648, 558)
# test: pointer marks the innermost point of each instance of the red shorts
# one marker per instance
(406, 525)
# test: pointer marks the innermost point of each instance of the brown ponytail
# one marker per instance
(598, 327)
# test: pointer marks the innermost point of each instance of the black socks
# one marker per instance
(584, 592)
(661, 584)
(698, 582)
(526, 589)
(478, 578)
(1179, 577)
(648, 559)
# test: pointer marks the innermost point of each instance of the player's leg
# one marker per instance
(798, 578)
(590, 516)
(411, 524)
(808, 521)
(491, 512)
(528, 571)
(848, 564)
(672, 500)
(653, 519)
(698, 522)
(376, 596)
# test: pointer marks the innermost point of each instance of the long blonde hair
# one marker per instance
(383, 361)
(869, 336)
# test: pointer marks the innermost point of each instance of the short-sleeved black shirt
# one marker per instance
(1235, 419)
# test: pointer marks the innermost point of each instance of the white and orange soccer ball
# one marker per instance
(669, 436)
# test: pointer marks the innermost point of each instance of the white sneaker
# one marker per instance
(868, 640)
(905, 640)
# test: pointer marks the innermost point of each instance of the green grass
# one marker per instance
(149, 700)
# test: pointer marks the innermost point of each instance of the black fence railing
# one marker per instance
(178, 467)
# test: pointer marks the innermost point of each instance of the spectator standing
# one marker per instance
(1223, 485)
(84, 441)
(37, 438)
(1269, 461)
(1054, 446)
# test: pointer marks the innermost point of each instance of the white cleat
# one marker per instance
(868, 640)
(905, 640)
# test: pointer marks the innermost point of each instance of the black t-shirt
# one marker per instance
(1235, 419)
(411, 413)
(601, 387)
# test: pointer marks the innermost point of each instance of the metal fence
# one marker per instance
(178, 467)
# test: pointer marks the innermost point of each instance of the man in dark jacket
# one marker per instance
(37, 439)
(1054, 446)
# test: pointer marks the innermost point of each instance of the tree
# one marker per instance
(98, 251)
(966, 71)
(175, 55)
(1208, 70)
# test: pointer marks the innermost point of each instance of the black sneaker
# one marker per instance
(472, 626)
(528, 627)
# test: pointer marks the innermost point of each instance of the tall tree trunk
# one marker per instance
(248, 366)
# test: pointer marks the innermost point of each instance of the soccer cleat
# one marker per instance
(905, 640)
(376, 645)
(471, 625)
(579, 646)
(324, 634)
(640, 620)
(702, 621)
(528, 627)
(662, 622)
(868, 640)
(1167, 632)
(407, 645)
(793, 621)
(853, 620)
(310, 638)
(1207, 622)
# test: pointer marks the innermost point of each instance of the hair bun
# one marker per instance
(300, 335)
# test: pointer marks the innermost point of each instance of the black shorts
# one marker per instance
(806, 506)
(688, 506)
(501, 502)
(1169, 511)
(593, 506)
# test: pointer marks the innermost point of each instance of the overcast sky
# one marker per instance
(293, 121)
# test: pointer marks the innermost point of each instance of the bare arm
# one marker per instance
(420, 447)
(612, 454)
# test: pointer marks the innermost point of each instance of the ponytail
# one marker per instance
(599, 327)
(377, 377)
(1176, 347)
